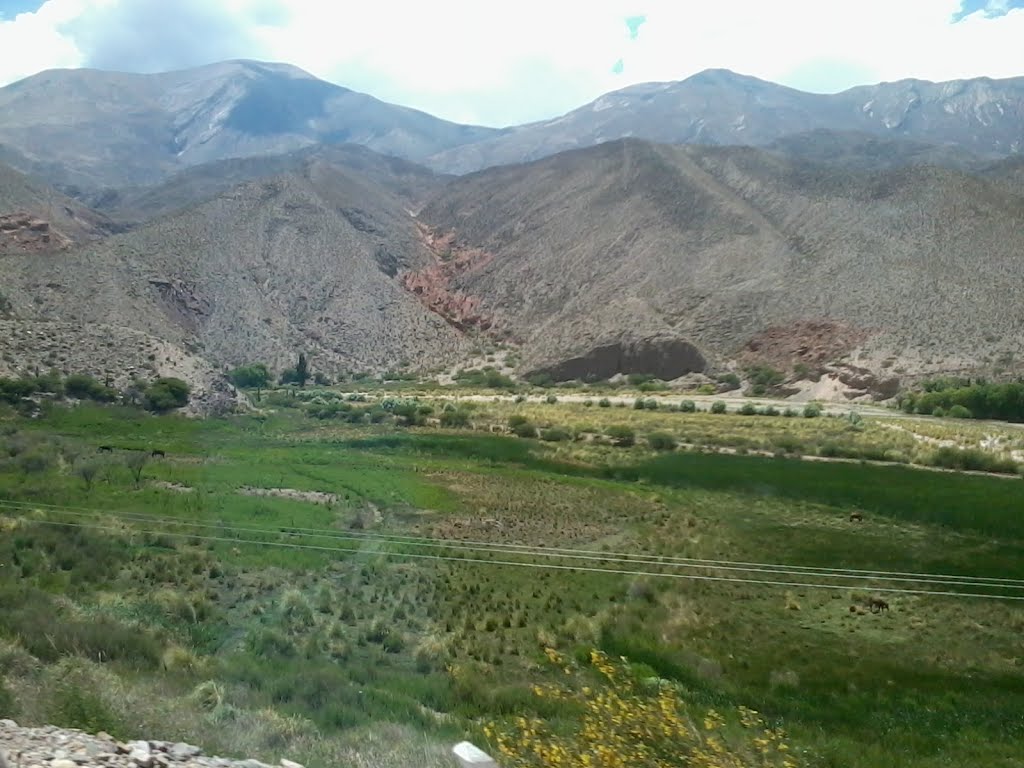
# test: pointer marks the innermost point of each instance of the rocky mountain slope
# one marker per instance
(36, 218)
(719, 107)
(86, 129)
(705, 254)
(303, 261)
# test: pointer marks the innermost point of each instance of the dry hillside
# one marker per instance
(718, 248)
(304, 261)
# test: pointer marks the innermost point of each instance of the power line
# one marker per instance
(567, 553)
(540, 566)
(656, 559)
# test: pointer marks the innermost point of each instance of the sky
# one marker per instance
(491, 63)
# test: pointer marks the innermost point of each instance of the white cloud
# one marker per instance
(505, 63)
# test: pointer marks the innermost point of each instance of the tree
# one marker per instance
(254, 376)
(87, 472)
(302, 374)
(136, 462)
(166, 394)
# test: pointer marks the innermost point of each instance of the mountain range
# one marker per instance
(184, 222)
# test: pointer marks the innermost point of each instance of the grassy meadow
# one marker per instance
(276, 585)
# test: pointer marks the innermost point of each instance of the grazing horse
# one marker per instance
(158, 454)
(877, 605)
(106, 449)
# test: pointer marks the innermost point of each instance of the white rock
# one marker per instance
(63, 762)
(181, 751)
(290, 764)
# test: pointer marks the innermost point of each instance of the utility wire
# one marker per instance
(541, 566)
(583, 555)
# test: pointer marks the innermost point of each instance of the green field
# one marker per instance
(179, 605)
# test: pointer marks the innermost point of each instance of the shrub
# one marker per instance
(762, 378)
(651, 404)
(789, 413)
(551, 399)
(718, 407)
(638, 404)
(604, 402)
(959, 412)
(661, 441)
(456, 419)
(706, 389)
(524, 429)
(939, 412)
(748, 409)
(254, 376)
(621, 435)
(520, 398)
(628, 723)
(555, 435)
(812, 411)
(588, 403)
(688, 406)
(166, 394)
(729, 380)
(971, 459)
(87, 388)
(516, 419)
(770, 410)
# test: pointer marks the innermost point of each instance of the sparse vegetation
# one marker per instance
(285, 637)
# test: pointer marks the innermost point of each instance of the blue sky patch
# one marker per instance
(11, 8)
(991, 8)
(633, 23)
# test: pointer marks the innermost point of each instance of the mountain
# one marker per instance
(407, 182)
(86, 129)
(719, 107)
(629, 255)
(36, 218)
(302, 261)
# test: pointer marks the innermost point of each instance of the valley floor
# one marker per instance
(288, 585)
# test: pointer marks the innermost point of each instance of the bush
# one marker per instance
(651, 404)
(604, 402)
(971, 459)
(551, 399)
(520, 398)
(748, 409)
(524, 429)
(621, 435)
(166, 394)
(638, 404)
(812, 411)
(762, 378)
(729, 380)
(718, 407)
(688, 406)
(770, 410)
(555, 435)
(588, 403)
(661, 441)
(789, 413)
(959, 412)
(456, 419)
(87, 388)
(488, 377)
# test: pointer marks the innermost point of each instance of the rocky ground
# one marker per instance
(51, 747)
